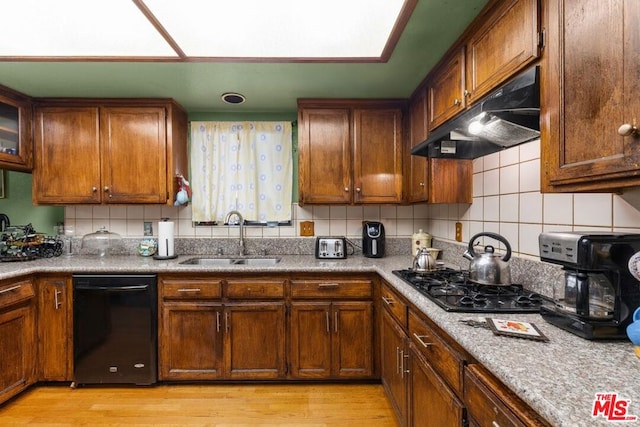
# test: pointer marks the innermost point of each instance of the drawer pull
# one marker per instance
(387, 300)
(328, 285)
(13, 288)
(190, 290)
(420, 337)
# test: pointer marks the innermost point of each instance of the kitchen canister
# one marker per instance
(420, 240)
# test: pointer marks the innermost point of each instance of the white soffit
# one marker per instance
(81, 28)
(279, 28)
(200, 28)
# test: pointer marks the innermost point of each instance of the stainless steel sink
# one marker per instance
(221, 262)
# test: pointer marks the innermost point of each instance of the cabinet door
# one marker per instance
(417, 165)
(191, 341)
(505, 44)
(134, 154)
(15, 130)
(450, 181)
(254, 344)
(394, 378)
(55, 338)
(67, 155)
(377, 147)
(433, 404)
(325, 156)
(352, 342)
(17, 347)
(592, 86)
(447, 90)
(310, 339)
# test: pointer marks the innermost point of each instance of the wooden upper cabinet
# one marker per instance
(416, 166)
(15, 130)
(502, 46)
(350, 151)
(325, 155)
(447, 89)
(377, 169)
(108, 152)
(592, 84)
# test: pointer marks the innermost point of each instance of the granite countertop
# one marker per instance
(559, 378)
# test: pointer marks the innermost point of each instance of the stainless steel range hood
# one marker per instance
(507, 117)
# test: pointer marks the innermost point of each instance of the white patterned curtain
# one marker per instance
(244, 166)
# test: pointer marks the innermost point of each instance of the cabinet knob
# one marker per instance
(628, 130)
(346, 189)
(94, 189)
(457, 101)
(467, 94)
(106, 189)
(357, 189)
(421, 184)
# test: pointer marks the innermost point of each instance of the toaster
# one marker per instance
(331, 247)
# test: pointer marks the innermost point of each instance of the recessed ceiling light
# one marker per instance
(233, 98)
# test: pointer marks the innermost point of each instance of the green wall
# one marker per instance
(18, 207)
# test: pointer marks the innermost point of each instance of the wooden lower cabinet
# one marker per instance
(55, 328)
(254, 340)
(17, 337)
(332, 339)
(394, 365)
(432, 403)
(191, 341)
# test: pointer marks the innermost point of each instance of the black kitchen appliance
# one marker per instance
(372, 239)
(598, 295)
(453, 291)
(115, 329)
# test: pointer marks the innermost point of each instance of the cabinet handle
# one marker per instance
(397, 360)
(189, 290)
(495, 424)
(13, 288)
(421, 184)
(628, 130)
(346, 189)
(217, 321)
(335, 322)
(94, 189)
(457, 101)
(419, 338)
(226, 322)
(57, 302)
(467, 93)
(358, 189)
(328, 285)
(387, 300)
(106, 189)
(327, 316)
(403, 356)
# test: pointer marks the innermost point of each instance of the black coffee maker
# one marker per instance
(599, 293)
(372, 239)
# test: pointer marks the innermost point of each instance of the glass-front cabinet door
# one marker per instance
(15, 130)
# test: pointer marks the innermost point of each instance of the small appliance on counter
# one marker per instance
(166, 239)
(331, 247)
(599, 293)
(372, 239)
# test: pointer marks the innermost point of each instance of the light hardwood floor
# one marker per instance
(315, 405)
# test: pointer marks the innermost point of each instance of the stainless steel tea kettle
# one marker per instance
(488, 268)
(423, 261)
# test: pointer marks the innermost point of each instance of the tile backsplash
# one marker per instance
(506, 200)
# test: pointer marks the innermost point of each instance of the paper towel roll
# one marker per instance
(165, 239)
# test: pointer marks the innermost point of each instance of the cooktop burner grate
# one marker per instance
(454, 291)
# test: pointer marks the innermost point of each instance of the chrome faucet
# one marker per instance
(241, 222)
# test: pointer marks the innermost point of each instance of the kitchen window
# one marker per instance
(243, 166)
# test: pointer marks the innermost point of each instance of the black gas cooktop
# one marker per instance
(453, 291)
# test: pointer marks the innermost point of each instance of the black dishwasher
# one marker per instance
(115, 329)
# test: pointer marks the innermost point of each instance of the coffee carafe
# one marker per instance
(598, 295)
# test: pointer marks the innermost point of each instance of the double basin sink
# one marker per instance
(221, 262)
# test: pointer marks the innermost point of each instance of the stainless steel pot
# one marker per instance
(489, 268)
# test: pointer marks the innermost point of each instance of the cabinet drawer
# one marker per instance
(191, 289)
(254, 289)
(329, 288)
(12, 293)
(444, 359)
(395, 305)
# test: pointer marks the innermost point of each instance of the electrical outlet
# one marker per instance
(458, 232)
(306, 228)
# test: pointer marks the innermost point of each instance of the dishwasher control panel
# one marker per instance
(331, 247)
